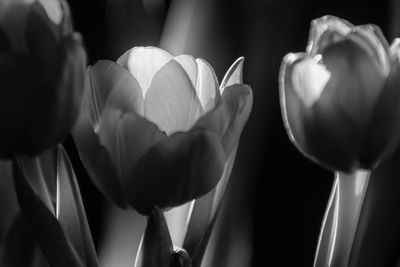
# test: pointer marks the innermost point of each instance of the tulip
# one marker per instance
(155, 130)
(340, 99)
(42, 66)
(340, 105)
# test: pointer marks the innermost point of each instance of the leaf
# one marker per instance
(205, 214)
(70, 211)
(19, 240)
(44, 226)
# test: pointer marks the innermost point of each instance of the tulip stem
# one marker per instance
(340, 221)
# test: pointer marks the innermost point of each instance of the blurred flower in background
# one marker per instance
(340, 100)
(41, 75)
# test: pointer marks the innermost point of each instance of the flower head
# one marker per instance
(340, 99)
(156, 130)
(42, 66)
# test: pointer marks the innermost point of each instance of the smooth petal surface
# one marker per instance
(227, 119)
(42, 39)
(356, 81)
(97, 160)
(127, 137)
(206, 85)
(310, 128)
(384, 125)
(19, 79)
(188, 166)
(143, 63)
(70, 211)
(189, 64)
(171, 102)
(58, 102)
(105, 77)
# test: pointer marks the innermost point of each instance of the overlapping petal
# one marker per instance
(143, 63)
(167, 130)
(356, 109)
(171, 101)
(176, 170)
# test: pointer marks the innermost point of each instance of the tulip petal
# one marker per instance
(104, 78)
(356, 78)
(189, 64)
(188, 165)
(19, 81)
(143, 63)
(58, 103)
(384, 125)
(171, 102)
(207, 85)
(47, 231)
(234, 74)
(13, 16)
(70, 211)
(42, 37)
(227, 119)
(323, 130)
(53, 10)
(127, 137)
(371, 39)
(326, 30)
(97, 160)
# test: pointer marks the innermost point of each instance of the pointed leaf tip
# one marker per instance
(234, 74)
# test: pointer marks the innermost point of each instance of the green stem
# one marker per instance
(341, 219)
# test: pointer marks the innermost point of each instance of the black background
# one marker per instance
(275, 193)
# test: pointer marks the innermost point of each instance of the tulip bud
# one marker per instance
(155, 130)
(340, 99)
(41, 75)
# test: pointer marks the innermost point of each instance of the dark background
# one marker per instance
(276, 198)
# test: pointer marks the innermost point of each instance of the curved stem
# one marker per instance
(341, 219)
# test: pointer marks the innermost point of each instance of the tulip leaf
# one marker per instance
(45, 228)
(19, 240)
(156, 247)
(70, 210)
(204, 215)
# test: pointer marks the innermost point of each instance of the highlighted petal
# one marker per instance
(189, 64)
(171, 102)
(234, 74)
(109, 78)
(207, 85)
(188, 166)
(326, 30)
(53, 10)
(143, 63)
(309, 80)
